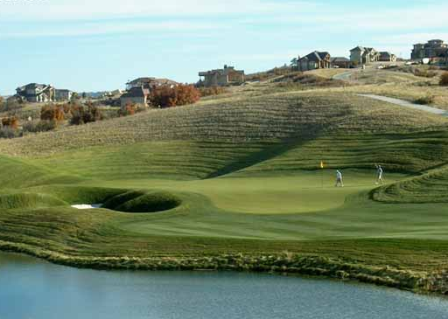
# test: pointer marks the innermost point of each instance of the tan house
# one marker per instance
(36, 93)
(222, 77)
(314, 60)
(361, 55)
(134, 96)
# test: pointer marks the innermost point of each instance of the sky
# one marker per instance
(96, 45)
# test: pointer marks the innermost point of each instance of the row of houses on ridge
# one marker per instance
(358, 56)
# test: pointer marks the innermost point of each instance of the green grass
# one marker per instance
(237, 174)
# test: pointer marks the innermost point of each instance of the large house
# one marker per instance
(361, 55)
(35, 93)
(222, 77)
(431, 49)
(314, 60)
(136, 95)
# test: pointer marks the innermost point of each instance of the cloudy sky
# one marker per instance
(92, 45)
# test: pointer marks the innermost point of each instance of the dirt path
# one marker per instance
(404, 103)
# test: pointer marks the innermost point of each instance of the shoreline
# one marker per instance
(285, 263)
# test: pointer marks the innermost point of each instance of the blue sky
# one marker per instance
(93, 45)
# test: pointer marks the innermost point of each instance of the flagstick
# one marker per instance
(322, 177)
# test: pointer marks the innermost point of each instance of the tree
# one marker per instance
(295, 63)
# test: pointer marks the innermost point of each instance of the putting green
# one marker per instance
(304, 192)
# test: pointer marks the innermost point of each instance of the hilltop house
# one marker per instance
(340, 62)
(136, 95)
(361, 55)
(35, 93)
(431, 49)
(387, 57)
(314, 60)
(222, 77)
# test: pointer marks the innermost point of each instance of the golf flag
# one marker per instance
(322, 164)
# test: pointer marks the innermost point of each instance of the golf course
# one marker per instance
(235, 182)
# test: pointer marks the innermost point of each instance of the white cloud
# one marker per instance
(103, 28)
(20, 10)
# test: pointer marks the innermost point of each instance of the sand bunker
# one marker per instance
(87, 206)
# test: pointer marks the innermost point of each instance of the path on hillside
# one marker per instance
(343, 76)
(404, 103)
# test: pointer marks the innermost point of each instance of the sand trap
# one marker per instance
(87, 206)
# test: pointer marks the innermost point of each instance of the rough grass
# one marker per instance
(428, 188)
(270, 117)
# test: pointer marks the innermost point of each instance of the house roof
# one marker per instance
(316, 56)
(339, 59)
(151, 81)
(224, 71)
(32, 86)
(358, 48)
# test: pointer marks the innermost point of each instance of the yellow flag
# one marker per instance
(322, 164)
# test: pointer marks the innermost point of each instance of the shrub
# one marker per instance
(84, 114)
(129, 109)
(52, 113)
(11, 122)
(444, 79)
(9, 132)
(39, 126)
(425, 100)
(424, 73)
(216, 90)
(165, 96)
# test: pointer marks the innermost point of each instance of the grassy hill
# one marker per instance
(236, 174)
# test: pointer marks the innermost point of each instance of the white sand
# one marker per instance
(87, 206)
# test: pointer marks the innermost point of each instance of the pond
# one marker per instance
(35, 289)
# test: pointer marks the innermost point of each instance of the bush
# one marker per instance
(129, 109)
(444, 79)
(425, 100)
(84, 114)
(425, 73)
(11, 122)
(52, 113)
(165, 96)
(39, 126)
(216, 90)
(9, 132)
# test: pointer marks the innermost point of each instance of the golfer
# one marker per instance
(339, 182)
(379, 171)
